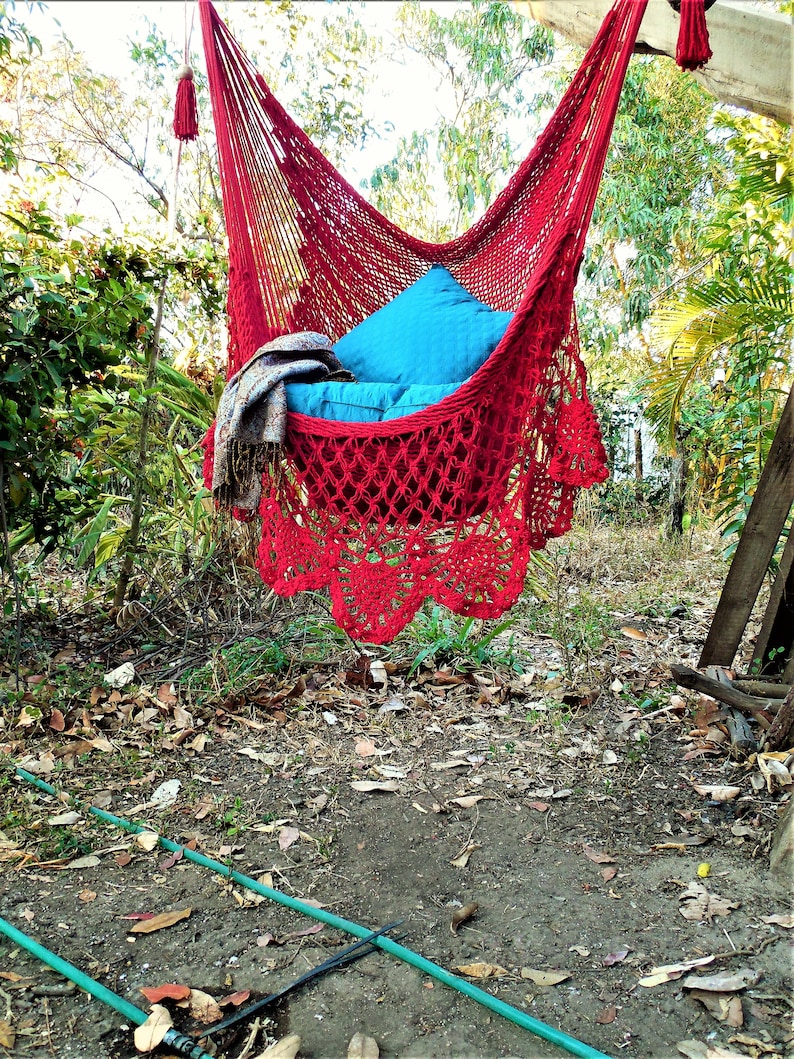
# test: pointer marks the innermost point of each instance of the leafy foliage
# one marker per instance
(658, 179)
(17, 46)
(485, 55)
(724, 342)
(76, 321)
(68, 311)
(443, 638)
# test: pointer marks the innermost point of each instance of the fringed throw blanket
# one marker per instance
(252, 412)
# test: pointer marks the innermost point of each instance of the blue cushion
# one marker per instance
(365, 402)
(433, 332)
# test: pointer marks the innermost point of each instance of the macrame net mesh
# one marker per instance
(448, 502)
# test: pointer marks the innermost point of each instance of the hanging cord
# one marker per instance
(186, 106)
(185, 125)
(359, 948)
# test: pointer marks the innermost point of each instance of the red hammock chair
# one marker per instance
(447, 502)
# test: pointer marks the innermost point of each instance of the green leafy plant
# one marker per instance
(235, 669)
(460, 643)
(68, 311)
(723, 340)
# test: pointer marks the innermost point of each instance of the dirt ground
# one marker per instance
(584, 805)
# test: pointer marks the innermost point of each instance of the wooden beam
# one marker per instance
(752, 65)
(766, 518)
(777, 631)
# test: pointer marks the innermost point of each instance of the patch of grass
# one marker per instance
(313, 639)
(235, 669)
(443, 638)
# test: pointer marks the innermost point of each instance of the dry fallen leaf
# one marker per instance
(460, 915)
(254, 755)
(669, 972)
(171, 991)
(165, 795)
(149, 1034)
(371, 785)
(65, 819)
(481, 970)
(462, 858)
(717, 793)
(615, 957)
(723, 983)
(203, 1007)
(164, 919)
(89, 861)
(699, 1050)
(725, 1007)
(774, 771)
(147, 840)
(544, 977)
(634, 634)
(365, 748)
(57, 721)
(697, 903)
(7, 1035)
(469, 800)
(780, 920)
(286, 1048)
(596, 857)
(607, 1015)
(362, 1047)
(377, 670)
(287, 836)
(235, 999)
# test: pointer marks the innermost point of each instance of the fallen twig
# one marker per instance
(727, 693)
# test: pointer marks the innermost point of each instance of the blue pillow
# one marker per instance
(433, 332)
(363, 402)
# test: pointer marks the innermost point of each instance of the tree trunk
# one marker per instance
(638, 468)
(678, 483)
(139, 485)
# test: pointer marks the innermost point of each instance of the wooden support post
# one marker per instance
(765, 521)
(773, 648)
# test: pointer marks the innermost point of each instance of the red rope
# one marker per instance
(692, 50)
(185, 107)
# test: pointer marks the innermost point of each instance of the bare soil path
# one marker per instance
(590, 809)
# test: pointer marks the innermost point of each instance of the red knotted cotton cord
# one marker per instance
(692, 50)
(186, 107)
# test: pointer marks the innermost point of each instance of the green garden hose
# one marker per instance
(173, 1038)
(500, 1007)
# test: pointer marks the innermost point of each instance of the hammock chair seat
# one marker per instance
(462, 447)
(408, 355)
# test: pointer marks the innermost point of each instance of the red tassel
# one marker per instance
(186, 107)
(693, 49)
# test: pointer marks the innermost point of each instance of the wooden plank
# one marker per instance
(752, 65)
(777, 630)
(765, 521)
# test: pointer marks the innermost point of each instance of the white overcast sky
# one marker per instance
(103, 30)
